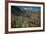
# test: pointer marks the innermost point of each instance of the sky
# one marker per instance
(34, 8)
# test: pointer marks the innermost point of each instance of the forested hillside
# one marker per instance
(24, 17)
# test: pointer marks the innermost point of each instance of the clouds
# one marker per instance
(34, 8)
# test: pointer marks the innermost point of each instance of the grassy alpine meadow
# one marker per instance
(25, 16)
